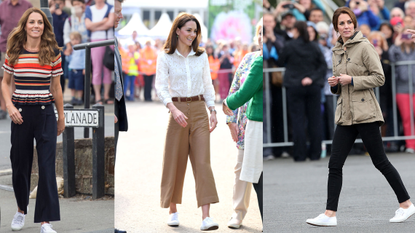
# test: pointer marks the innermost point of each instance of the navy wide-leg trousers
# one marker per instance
(39, 123)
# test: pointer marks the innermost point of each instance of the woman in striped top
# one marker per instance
(33, 60)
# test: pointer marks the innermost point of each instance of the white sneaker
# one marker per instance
(410, 151)
(234, 223)
(18, 221)
(173, 220)
(323, 221)
(208, 224)
(47, 228)
(403, 214)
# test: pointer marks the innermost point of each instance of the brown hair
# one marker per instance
(343, 10)
(82, 1)
(77, 35)
(172, 41)
(382, 42)
(18, 38)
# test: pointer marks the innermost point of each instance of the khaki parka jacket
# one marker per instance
(357, 103)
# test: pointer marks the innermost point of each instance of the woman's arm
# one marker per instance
(6, 87)
(109, 23)
(209, 93)
(56, 90)
(371, 61)
(253, 83)
(162, 79)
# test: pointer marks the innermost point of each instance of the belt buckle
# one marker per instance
(188, 99)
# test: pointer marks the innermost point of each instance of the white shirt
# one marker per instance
(179, 76)
(98, 15)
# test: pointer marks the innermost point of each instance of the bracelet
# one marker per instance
(212, 110)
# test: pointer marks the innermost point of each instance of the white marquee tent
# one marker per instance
(135, 24)
(204, 28)
(162, 28)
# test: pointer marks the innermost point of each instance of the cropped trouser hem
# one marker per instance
(241, 191)
(192, 141)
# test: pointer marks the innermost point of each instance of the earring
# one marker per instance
(177, 36)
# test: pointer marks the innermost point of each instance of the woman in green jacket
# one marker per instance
(251, 89)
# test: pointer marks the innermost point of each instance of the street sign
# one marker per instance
(81, 118)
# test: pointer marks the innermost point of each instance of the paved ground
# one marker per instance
(138, 175)
(294, 192)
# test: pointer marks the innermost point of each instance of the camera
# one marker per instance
(289, 6)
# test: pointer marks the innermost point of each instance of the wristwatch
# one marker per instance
(212, 110)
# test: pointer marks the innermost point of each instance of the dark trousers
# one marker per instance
(39, 124)
(148, 83)
(343, 140)
(304, 108)
(259, 193)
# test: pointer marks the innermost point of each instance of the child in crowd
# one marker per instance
(77, 70)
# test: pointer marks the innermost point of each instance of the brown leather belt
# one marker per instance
(188, 99)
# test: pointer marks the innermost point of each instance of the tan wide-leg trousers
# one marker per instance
(241, 191)
(191, 141)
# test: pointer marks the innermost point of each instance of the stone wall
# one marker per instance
(83, 165)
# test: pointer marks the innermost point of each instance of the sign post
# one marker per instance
(86, 118)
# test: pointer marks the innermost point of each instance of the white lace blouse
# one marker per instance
(177, 76)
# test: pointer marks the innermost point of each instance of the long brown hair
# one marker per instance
(172, 41)
(18, 38)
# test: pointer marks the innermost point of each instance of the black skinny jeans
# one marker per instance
(259, 193)
(343, 140)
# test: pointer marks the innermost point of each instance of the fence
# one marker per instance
(286, 142)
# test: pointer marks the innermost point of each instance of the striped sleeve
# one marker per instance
(7, 67)
(57, 66)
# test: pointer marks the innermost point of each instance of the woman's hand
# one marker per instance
(213, 121)
(226, 109)
(178, 116)
(410, 31)
(345, 79)
(61, 125)
(306, 81)
(333, 81)
(15, 115)
(233, 127)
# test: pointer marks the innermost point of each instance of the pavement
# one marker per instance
(138, 175)
(294, 192)
(78, 214)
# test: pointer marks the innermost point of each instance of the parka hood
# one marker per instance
(356, 38)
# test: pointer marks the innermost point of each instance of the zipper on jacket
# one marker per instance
(348, 88)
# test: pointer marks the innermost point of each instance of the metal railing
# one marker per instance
(287, 142)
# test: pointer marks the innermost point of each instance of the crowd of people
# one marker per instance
(139, 65)
(309, 98)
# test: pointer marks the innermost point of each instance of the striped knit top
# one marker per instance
(31, 79)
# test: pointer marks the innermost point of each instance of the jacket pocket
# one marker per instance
(363, 106)
(338, 113)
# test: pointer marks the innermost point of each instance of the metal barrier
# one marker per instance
(87, 81)
(87, 118)
(286, 142)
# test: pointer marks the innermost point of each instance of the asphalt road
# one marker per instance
(294, 192)
(138, 176)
